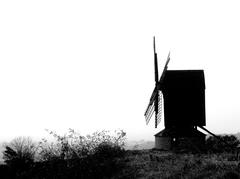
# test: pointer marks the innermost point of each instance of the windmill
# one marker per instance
(182, 93)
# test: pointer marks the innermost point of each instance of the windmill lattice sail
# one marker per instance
(159, 113)
(149, 112)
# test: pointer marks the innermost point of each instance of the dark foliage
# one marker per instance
(17, 161)
(96, 165)
(99, 155)
(19, 155)
(108, 151)
(6, 172)
(226, 143)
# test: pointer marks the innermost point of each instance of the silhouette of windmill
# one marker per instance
(181, 94)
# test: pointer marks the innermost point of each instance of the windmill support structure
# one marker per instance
(219, 138)
(180, 139)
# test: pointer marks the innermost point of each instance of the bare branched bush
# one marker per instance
(73, 145)
(91, 156)
(20, 153)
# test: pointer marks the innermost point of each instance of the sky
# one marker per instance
(88, 65)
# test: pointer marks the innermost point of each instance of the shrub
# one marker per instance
(19, 154)
(221, 144)
(94, 156)
(107, 150)
(73, 145)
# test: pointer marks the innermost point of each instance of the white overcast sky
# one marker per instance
(88, 65)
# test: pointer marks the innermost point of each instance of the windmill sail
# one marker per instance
(160, 109)
(152, 106)
(156, 109)
(155, 61)
(155, 103)
(149, 113)
(165, 69)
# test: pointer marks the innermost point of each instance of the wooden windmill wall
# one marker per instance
(184, 98)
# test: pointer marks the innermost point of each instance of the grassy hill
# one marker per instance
(147, 164)
(158, 164)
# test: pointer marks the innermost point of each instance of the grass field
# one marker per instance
(157, 164)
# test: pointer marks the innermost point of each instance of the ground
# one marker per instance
(159, 164)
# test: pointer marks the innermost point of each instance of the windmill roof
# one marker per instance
(183, 79)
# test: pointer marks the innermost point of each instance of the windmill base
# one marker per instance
(182, 138)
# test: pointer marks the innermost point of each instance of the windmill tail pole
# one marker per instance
(219, 138)
(209, 132)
